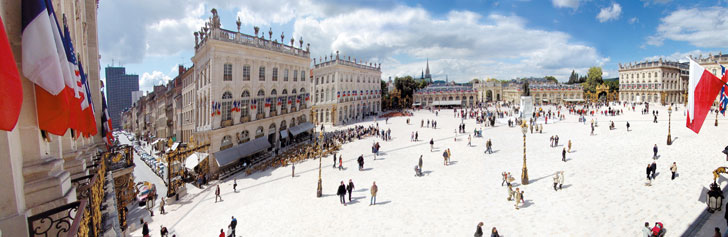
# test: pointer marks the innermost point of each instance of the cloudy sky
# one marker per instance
(462, 39)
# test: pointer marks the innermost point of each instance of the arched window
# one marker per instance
(272, 101)
(226, 142)
(259, 132)
(245, 107)
(260, 102)
(244, 136)
(227, 102)
(293, 91)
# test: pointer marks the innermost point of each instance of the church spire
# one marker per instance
(427, 69)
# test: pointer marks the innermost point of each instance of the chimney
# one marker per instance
(181, 69)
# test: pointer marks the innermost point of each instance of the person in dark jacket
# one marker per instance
(145, 229)
(420, 163)
(360, 160)
(342, 192)
(647, 171)
(350, 188)
(654, 151)
(233, 224)
(653, 167)
(563, 155)
(479, 230)
(334, 160)
(494, 233)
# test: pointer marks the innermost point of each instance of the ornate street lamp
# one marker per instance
(319, 191)
(715, 198)
(524, 173)
(669, 120)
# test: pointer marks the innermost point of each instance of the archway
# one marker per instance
(272, 134)
(489, 95)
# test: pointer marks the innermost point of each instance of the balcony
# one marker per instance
(67, 220)
(284, 111)
(273, 113)
(226, 123)
(259, 116)
(293, 109)
(244, 119)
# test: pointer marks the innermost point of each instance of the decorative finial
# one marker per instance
(337, 54)
(292, 40)
(282, 36)
(256, 29)
(308, 45)
(300, 42)
(196, 39)
(238, 23)
(270, 33)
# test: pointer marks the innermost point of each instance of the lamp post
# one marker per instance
(669, 121)
(319, 191)
(524, 173)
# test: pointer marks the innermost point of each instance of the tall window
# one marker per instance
(303, 75)
(245, 109)
(227, 102)
(295, 75)
(246, 73)
(260, 102)
(227, 72)
(275, 74)
(285, 74)
(273, 102)
(261, 74)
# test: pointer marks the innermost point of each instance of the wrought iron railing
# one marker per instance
(66, 220)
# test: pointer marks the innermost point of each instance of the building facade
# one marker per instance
(489, 90)
(653, 81)
(37, 170)
(119, 86)
(545, 93)
(247, 87)
(345, 90)
(447, 94)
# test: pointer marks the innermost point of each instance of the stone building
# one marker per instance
(545, 93)
(37, 169)
(653, 81)
(345, 90)
(448, 94)
(489, 90)
(188, 98)
(248, 87)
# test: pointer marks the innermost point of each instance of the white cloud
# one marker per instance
(573, 4)
(634, 20)
(147, 81)
(462, 45)
(610, 13)
(678, 56)
(701, 27)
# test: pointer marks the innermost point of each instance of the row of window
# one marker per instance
(345, 78)
(228, 73)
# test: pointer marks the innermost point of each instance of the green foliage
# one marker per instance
(551, 79)
(593, 79)
(406, 85)
(613, 84)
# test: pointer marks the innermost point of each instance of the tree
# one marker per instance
(593, 78)
(552, 79)
(573, 78)
(383, 87)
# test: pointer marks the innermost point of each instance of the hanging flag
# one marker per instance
(338, 94)
(78, 102)
(723, 97)
(10, 86)
(279, 101)
(254, 104)
(703, 87)
(41, 62)
(54, 109)
(307, 97)
(88, 111)
(106, 122)
(267, 102)
(290, 99)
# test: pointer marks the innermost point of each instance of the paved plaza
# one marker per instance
(604, 190)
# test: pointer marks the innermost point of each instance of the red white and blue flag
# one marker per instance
(267, 102)
(10, 85)
(106, 122)
(703, 87)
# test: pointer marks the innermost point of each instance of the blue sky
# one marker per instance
(462, 39)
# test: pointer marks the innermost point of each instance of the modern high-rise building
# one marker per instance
(119, 87)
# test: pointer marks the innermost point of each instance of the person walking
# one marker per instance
(350, 188)
(341, 165)
(494, 232)
(145, 228)
(561, 179)
(469, 140)
(510, 192)
(233, 224)
(235, 185)
(673, 169)
(556, 180)
(217, 193)
(360, 160)
(334, 166)
(569, 145)
(649, 178)
(417, 136)
(449, 155)
(342, 193)
(222, 233)
(432, 144)
(646, 231)
(653, 168)
(293, 170)
(444, 157)
(479, 230)
(627, 126)
(420, 163)
(505, 176)
(654, 152)
(518, 197)
(374, 189)
(563, 155)
(161, 206)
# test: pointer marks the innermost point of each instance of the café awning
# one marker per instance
(230, 155)
(301, 128)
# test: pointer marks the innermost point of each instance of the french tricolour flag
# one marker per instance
(703, 87)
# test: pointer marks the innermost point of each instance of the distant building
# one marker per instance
(446, 95)
(136, 95)
(345, 90)
(119, 86)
